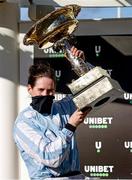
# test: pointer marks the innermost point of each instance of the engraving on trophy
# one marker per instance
(94, 88)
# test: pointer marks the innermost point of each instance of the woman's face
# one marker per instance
(43, 86)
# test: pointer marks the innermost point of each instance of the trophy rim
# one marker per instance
(54, 33)
(32, 38)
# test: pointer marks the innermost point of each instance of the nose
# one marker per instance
(44, 93)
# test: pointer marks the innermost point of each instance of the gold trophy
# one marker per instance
(94, 88)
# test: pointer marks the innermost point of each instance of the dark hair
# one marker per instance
(40, 70)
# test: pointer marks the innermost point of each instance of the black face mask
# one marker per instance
(42, 104)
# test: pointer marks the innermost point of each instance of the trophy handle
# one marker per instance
(77, 63)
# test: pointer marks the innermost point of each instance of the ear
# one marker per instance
(29, 88)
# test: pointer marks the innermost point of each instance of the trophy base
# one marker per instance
(95, 89)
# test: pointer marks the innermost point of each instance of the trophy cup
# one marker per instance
(94, 87)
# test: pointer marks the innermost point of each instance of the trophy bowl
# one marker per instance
(56, 25)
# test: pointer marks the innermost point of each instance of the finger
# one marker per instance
(80, 53)
(80, 113)
(86, 112)
(75, 52)
(72, 48)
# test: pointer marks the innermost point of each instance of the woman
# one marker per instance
(45, 131)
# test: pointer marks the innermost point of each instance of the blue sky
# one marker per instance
(93, 13)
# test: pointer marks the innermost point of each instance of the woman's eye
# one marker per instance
(41, 89)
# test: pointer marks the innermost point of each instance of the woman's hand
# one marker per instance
(78, 117)
(77, 53)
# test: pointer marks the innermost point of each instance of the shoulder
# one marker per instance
(66, 104)
(26, 115)
(64, 101)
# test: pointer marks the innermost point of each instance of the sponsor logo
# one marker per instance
(58, 74)
(99, 171)
(59, 96)
(97, 50)
(98, 122)
(128, 96)
(128, 145)
(109, 71)
(49, 52)
(98, 146)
